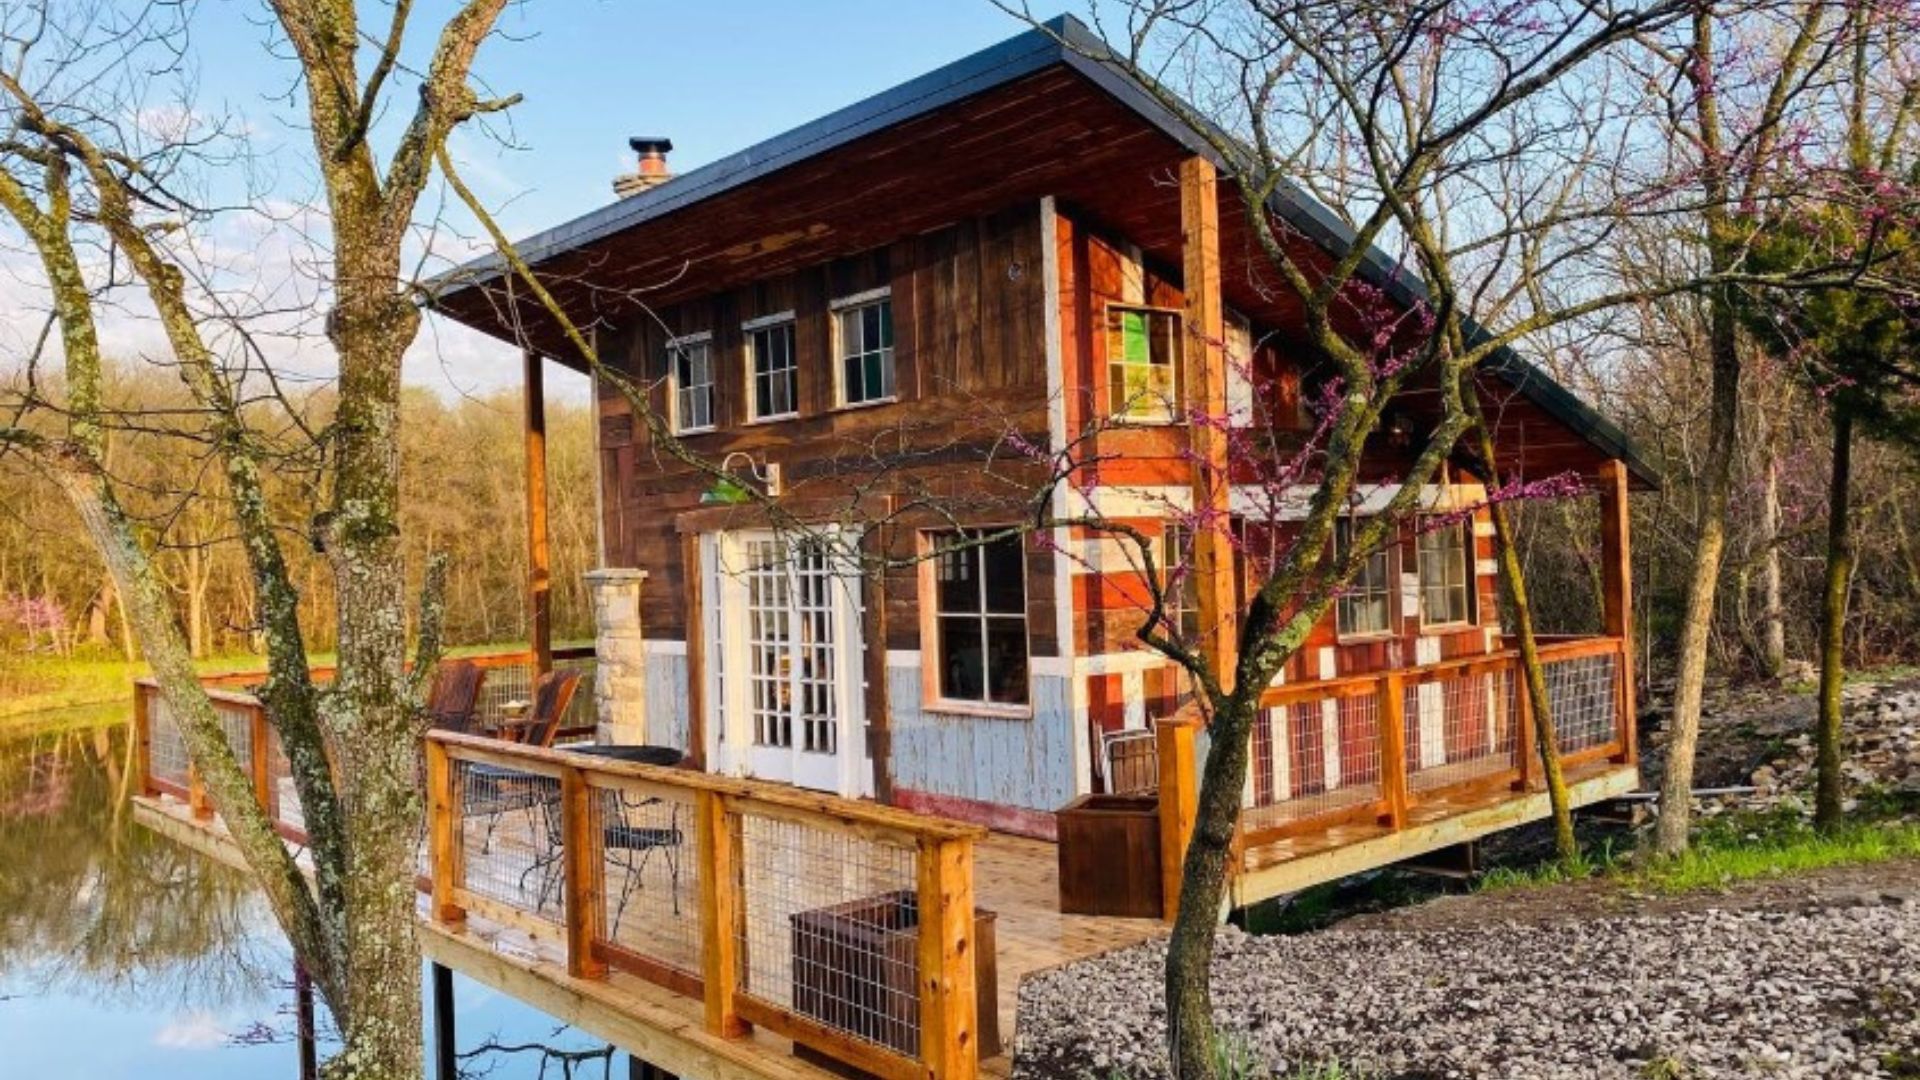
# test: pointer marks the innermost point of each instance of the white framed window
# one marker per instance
(863, 342)
(1143, 364)
(773, 371)
(1366, 607)
(1446, 574)
(979, 615)
(690, 366)
(1176, 575)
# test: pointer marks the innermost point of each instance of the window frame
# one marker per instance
(1468, 568)
(931, 695)
(674, 346)
(1389, 554)
(838, 309)
(1176, 406)
(749, 331)
(1182, 605)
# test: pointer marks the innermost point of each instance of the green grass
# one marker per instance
(1748, 847)
(1741, 847)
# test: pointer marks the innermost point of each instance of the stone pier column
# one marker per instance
(620, 672)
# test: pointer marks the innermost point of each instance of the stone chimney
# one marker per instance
(653, 172)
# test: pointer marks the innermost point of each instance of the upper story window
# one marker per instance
(1446, 574)
(863, 333)
(1367, 605)
(1143, 364)
(690, 363)
(980, 617)
(773, 372)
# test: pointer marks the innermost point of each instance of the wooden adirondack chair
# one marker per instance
(550, 700)
(454, 695)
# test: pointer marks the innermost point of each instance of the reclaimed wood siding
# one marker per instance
(970, 365)
(668, 716)
(1025, 763)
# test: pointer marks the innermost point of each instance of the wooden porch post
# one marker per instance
(539, 563)
(1205, 397)
(1179, 803)
(1616, 562)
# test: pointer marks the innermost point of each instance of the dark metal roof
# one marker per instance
(1063, 40)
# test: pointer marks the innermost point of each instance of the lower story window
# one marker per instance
(1366, 607)
(980, 617)
(1446, 574)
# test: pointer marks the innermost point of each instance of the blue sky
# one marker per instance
(714, 76)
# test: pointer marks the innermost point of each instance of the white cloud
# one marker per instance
(198, 1030)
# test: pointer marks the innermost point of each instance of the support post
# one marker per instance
(1204, 396)
(539, 563)
(581, 864)
(722, 911)
(1393, 747)
(1616, 565)
(1526, 735)
(620, 656)
(197, 800)
(143, 739)
(879, 712)
(949, 1044)
(303, 1022)
(1179, 804)
(446, 1058)
(262, 761)
(443, 831)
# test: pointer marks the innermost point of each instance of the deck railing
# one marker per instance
(1371, 749)
(846, 927)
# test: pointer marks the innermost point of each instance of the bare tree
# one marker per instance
(75, 179)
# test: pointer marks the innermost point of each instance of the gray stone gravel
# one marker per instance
(1832, 991)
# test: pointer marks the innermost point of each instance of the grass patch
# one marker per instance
(1747, 847)
(1589, 862)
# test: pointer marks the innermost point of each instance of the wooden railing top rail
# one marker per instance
(1364, 683)
(893, 824)
(502, 658)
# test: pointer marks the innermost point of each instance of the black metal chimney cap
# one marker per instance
(656, 144)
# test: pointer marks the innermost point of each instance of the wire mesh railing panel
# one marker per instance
(1460, 727)
(166, 747)
(649, 873)
(1583, 694)
(236, 721)
(510, 839)
(831, 929)
(1317, 758)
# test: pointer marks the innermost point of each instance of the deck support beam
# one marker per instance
(1616, 566)
(539, 557)
(446, 1063)
(1204, 396)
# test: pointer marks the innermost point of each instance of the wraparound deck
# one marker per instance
(712, 926)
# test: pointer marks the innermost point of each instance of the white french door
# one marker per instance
(785, 698)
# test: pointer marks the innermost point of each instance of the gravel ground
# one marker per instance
(1831, 990)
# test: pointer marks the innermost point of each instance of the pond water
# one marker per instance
(124, 955)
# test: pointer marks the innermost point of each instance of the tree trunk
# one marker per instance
(1773, 656)
(1696, 620)
(1547, 736)
(1203, 889)
(1833, 625)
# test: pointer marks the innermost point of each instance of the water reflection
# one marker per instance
(123, 954)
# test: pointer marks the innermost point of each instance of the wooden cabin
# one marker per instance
(904, 313)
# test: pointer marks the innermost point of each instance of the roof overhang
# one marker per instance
(1036, 115)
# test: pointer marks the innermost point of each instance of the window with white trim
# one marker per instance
(1446, 573)
(690, 362)
(980, 617)
(864, 337)
(1366, 607)
(1176, 574)
(1143, 364)
(772, 369)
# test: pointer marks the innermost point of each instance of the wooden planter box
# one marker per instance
(1109, 854)
(856, 968)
